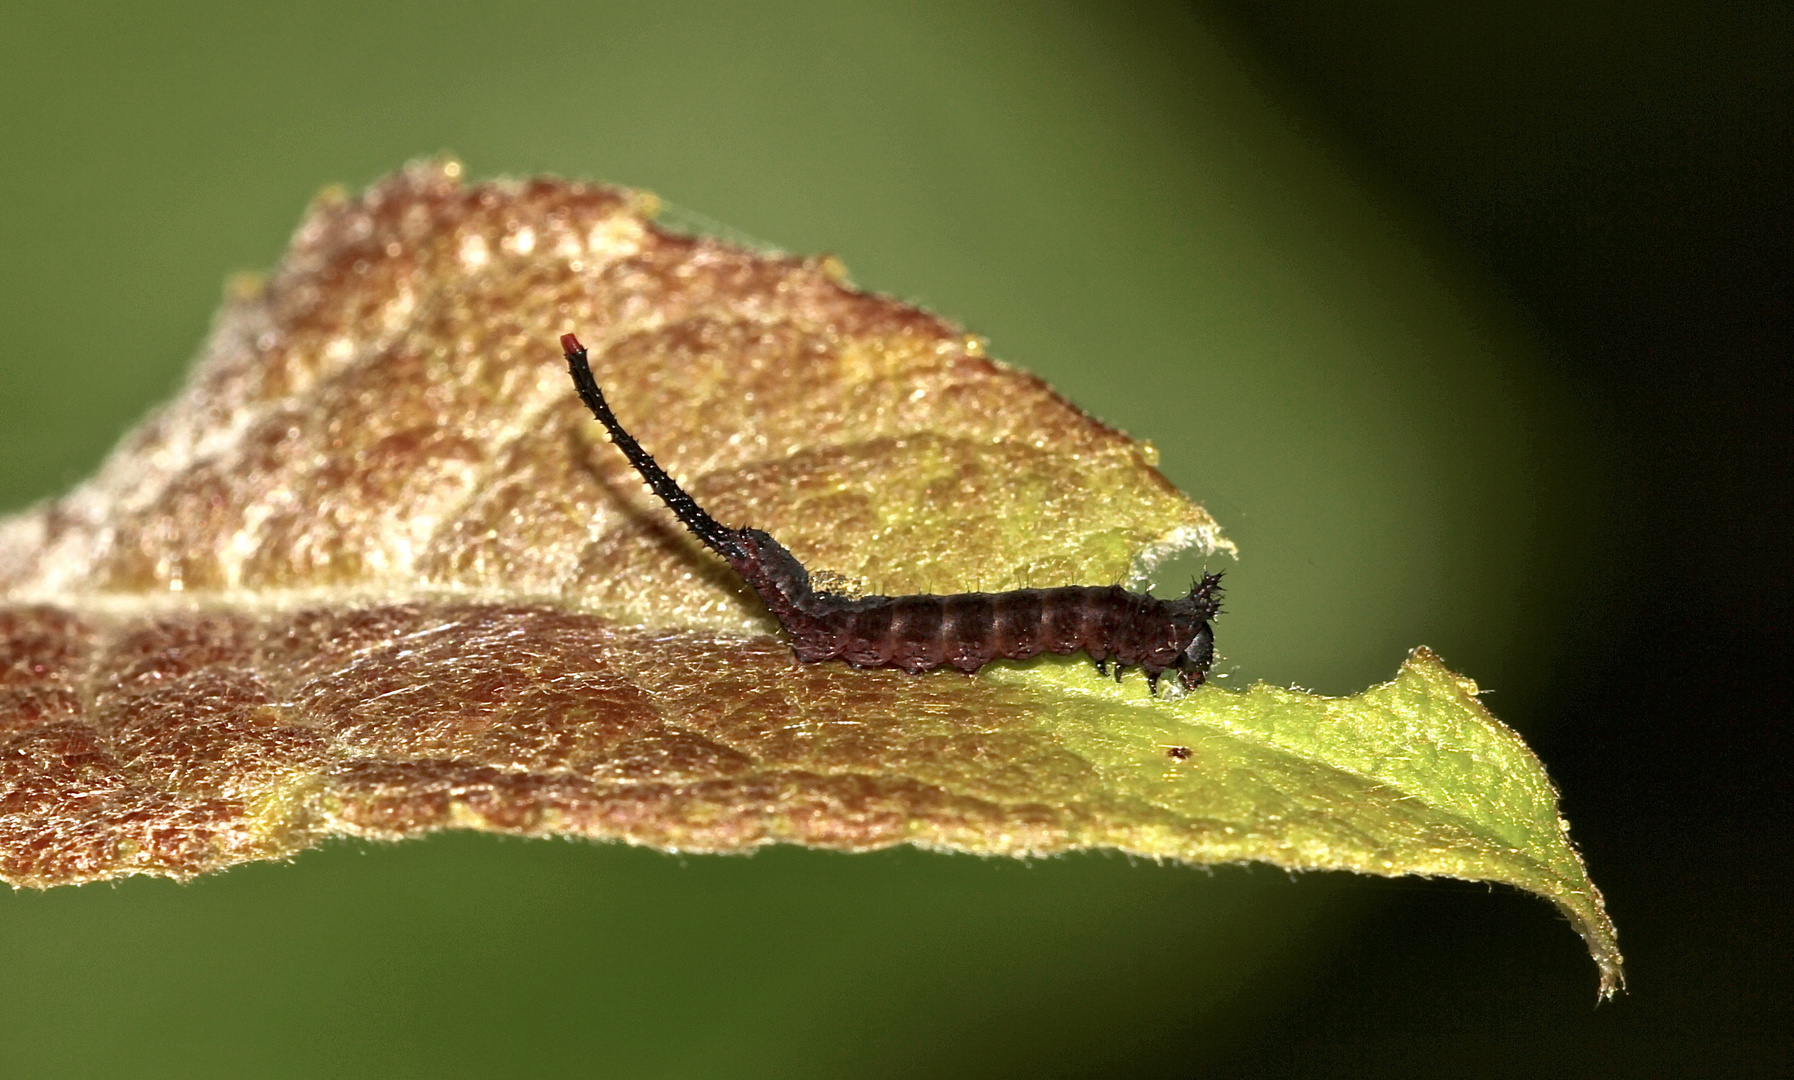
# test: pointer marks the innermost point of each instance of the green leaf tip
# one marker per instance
(1413, 776)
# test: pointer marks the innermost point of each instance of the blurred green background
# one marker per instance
(1134, 201)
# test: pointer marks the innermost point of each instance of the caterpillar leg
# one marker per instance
(1102, 666)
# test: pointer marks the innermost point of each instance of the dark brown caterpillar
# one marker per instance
(919, 633)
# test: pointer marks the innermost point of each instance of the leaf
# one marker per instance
(376, 572)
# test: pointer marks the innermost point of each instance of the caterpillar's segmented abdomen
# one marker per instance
(968, 630)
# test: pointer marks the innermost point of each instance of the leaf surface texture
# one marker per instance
(376, 572)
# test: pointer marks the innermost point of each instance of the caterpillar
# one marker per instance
(964, 631)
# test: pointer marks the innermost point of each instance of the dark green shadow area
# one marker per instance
(468, 955)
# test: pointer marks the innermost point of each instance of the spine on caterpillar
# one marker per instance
(919, 633)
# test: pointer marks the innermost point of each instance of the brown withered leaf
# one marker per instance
(376, 572)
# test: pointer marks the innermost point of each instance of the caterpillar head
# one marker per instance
(1190, 615)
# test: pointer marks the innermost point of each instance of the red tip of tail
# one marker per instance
(571, 345)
